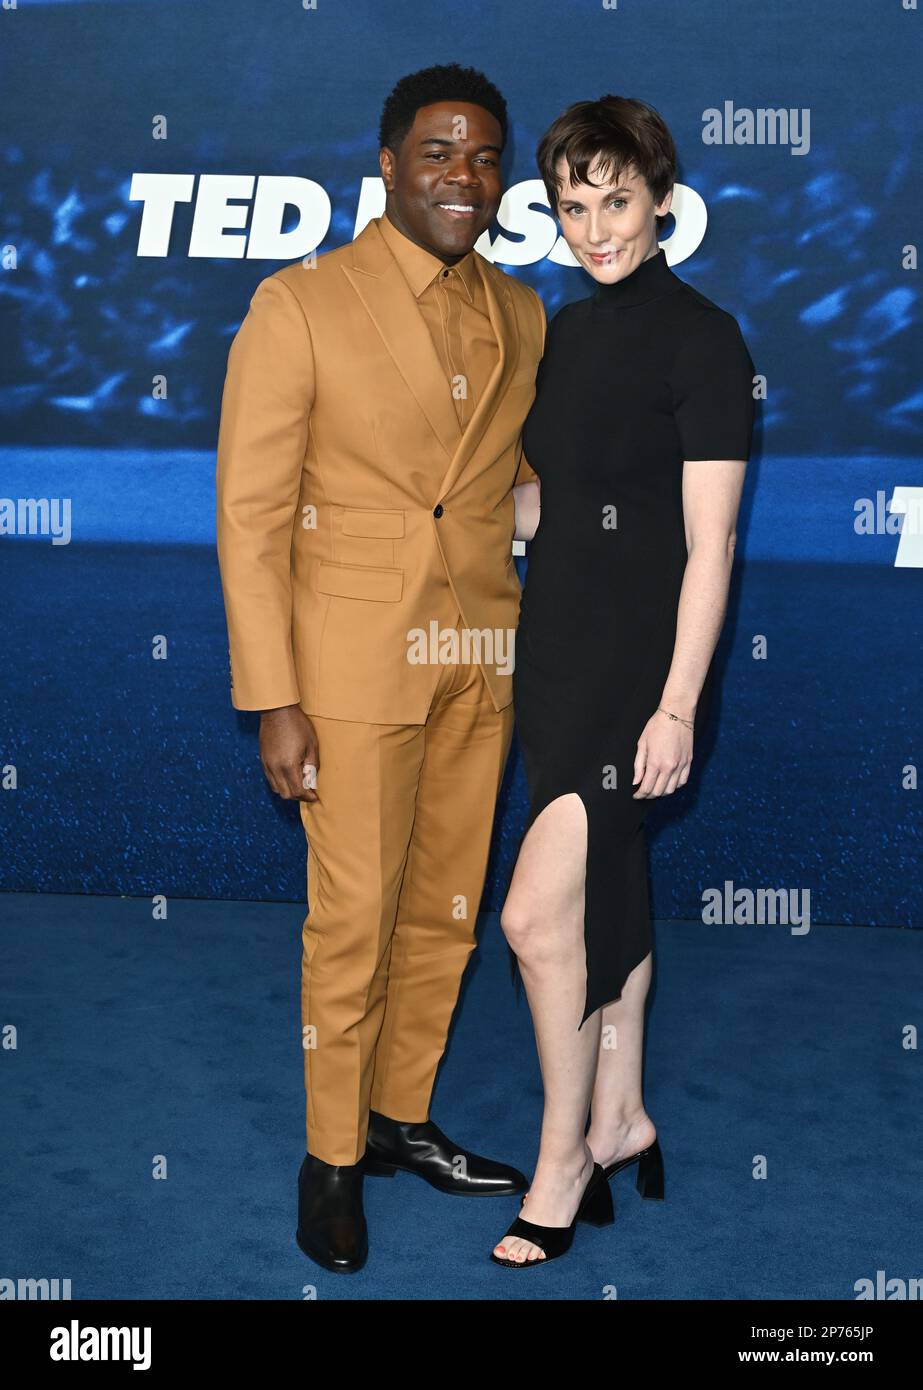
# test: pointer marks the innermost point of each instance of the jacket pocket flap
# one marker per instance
(387, 525)
(360, 581)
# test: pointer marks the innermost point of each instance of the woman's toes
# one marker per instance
(521, 1251)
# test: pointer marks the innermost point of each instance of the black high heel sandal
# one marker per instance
(595, 1209)
(650, 1171)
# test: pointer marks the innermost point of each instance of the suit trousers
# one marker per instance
(397, 852)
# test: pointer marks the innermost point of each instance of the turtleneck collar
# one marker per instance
(651, 279)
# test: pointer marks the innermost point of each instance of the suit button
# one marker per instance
(438, 509)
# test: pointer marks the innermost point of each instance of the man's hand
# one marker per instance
(289, 753)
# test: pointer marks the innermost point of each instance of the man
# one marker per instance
(368, 447)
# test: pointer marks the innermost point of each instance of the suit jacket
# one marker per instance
(351, 506)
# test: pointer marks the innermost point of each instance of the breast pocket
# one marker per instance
(360, 522)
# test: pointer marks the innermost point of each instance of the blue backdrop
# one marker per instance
(143, 147)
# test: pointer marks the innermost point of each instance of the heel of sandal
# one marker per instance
(650, 1173)
(597, 1208)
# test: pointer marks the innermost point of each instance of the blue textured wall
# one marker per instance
(136, 776)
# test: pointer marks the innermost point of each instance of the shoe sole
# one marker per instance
(331, 1268)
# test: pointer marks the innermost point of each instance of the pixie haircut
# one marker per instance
(447, 82)
(619, 131)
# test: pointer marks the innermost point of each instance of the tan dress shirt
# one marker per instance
(454, 306)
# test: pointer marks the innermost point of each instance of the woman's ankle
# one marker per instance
(617, 1136)
(565, 1160)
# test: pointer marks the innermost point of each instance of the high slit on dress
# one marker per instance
(643, 375)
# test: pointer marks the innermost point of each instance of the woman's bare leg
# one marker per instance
(620, 1126)
(542, 919)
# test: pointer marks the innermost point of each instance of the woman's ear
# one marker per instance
(663, 208)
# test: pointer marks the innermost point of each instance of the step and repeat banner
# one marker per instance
(159, 159)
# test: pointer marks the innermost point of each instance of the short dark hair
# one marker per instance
(619, 131)
(446, 82)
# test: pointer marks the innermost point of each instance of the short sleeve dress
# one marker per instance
(640, 377)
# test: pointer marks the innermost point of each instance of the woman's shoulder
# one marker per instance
(701, 312)
(703, 327)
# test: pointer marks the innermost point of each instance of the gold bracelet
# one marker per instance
(688, 722)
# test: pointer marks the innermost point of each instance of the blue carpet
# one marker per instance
(181, 1038)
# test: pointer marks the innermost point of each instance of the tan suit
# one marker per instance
(368, 445)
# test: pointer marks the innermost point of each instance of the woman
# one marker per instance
(639, 433)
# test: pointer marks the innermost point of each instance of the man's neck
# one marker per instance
(445, 257)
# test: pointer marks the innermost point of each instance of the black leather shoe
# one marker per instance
(331, 1221)
(422, 1148)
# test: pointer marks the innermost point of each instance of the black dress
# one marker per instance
(639, 377)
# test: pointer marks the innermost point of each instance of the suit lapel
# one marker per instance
(376, 278)
(506, 330)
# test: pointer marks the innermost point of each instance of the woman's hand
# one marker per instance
(664, 757)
